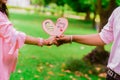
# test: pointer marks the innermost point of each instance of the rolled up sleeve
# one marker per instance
(106, 33)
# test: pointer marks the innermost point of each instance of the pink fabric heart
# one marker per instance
(55, 29)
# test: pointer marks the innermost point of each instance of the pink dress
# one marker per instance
(10, 42)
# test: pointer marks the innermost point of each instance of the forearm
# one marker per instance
(32, 40)
(93, 39)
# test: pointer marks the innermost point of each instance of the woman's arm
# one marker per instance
(39, 41)
(35, 41)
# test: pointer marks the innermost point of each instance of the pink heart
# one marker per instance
(55, 29)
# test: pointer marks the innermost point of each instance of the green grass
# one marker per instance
(46, 63)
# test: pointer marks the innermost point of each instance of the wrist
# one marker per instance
(71, 38)
(40, 41)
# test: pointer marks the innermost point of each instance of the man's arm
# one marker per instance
(92, 39)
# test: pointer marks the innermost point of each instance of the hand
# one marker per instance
(63, 39)
(50, 41)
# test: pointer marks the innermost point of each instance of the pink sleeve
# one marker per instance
(9, 33)
(21, 39)
(106, 33)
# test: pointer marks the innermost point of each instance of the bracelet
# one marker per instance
(40, 42)
(71, 38)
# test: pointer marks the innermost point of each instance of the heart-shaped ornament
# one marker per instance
(55, 29)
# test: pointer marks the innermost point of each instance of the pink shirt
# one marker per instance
(10, 42)
(111, 33)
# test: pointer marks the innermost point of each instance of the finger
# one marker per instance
(59, 44)
(58, 36)
(59, 39)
